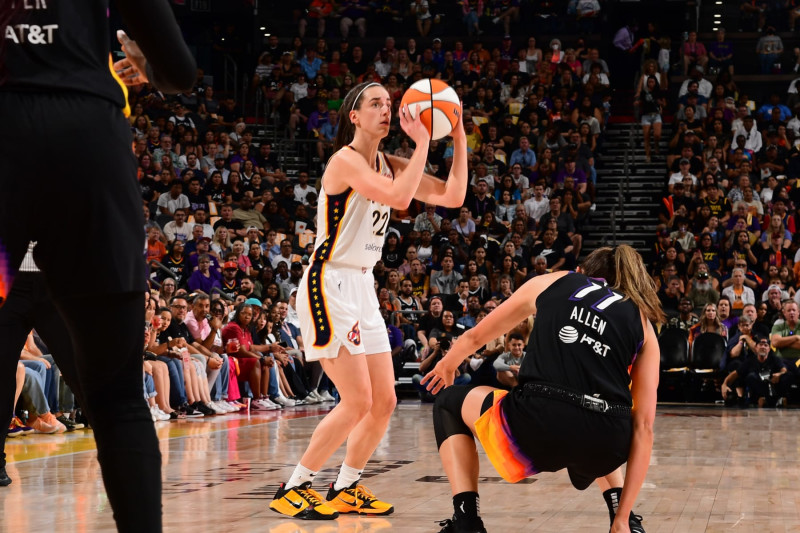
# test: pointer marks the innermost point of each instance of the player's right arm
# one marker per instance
(519, 306)
(450, 192)
(644, 384)
(165, 59)
(350, 169)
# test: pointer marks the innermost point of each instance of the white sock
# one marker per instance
(347, 476)
(300, 475)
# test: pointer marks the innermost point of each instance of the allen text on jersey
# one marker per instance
(584, 316)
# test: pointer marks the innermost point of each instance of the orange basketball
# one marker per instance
(439, 106)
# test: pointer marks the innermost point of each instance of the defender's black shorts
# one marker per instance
(524, 434)
(71, 186)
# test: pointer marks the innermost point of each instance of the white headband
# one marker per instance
(362, 92)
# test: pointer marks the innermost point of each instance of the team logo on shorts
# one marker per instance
(354, 335)
(568, 334)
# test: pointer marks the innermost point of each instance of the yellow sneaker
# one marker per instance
(302, 502)
(357, 499)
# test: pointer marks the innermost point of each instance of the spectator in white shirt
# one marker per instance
(704, 87)
(178, 229)
(751, 134)
(168, 203)
(302, 188)
(537, 205)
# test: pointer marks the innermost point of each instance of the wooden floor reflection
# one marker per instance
(712, 470)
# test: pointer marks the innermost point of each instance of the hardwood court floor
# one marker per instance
(713, 469)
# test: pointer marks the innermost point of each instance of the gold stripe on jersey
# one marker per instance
(127, 109)
(318, 306)
(381, 163)
(336, 207)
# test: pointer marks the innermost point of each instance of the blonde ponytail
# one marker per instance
(622, 267)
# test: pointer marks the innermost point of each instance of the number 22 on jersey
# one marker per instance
(380, 220)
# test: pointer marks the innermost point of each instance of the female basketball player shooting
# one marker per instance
(336, 300)
(572, 407)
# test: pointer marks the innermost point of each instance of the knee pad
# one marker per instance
(447, 420)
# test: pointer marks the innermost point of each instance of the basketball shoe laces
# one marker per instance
(364, 493)
(310, 495)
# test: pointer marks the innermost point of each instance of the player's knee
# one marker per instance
(357, 406)
(383, 405)
(447, 420)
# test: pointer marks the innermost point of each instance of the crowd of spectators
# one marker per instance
(726, 257)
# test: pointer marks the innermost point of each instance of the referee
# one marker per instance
(68, 181)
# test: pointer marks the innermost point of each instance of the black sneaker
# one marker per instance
(4, 479)
(634, 522)
(203, 408)
(453, 525)
(80, 418)
(69, 424)
(190, 412)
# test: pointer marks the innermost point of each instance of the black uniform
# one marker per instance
(582, 345)
(68, 181)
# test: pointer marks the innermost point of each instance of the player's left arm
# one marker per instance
(644, 384)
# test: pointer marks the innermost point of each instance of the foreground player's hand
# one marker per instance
(414, 127)
(439, 378)
(132, 70)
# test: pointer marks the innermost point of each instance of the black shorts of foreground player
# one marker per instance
(573, 406)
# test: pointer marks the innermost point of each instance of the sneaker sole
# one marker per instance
(361, 510)
(308, 514)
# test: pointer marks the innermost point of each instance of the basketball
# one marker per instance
(439, 106)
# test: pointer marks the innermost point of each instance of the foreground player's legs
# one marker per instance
(454, 415)
(15, 323)
(111, 385)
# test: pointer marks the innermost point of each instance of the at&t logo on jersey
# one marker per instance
(568, 334)
(354, 335)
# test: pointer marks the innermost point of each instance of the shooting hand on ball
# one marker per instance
(414, 127)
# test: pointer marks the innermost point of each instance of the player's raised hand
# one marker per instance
(132, 69)
(413, 126)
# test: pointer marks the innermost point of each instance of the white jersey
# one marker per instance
(352, 228)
